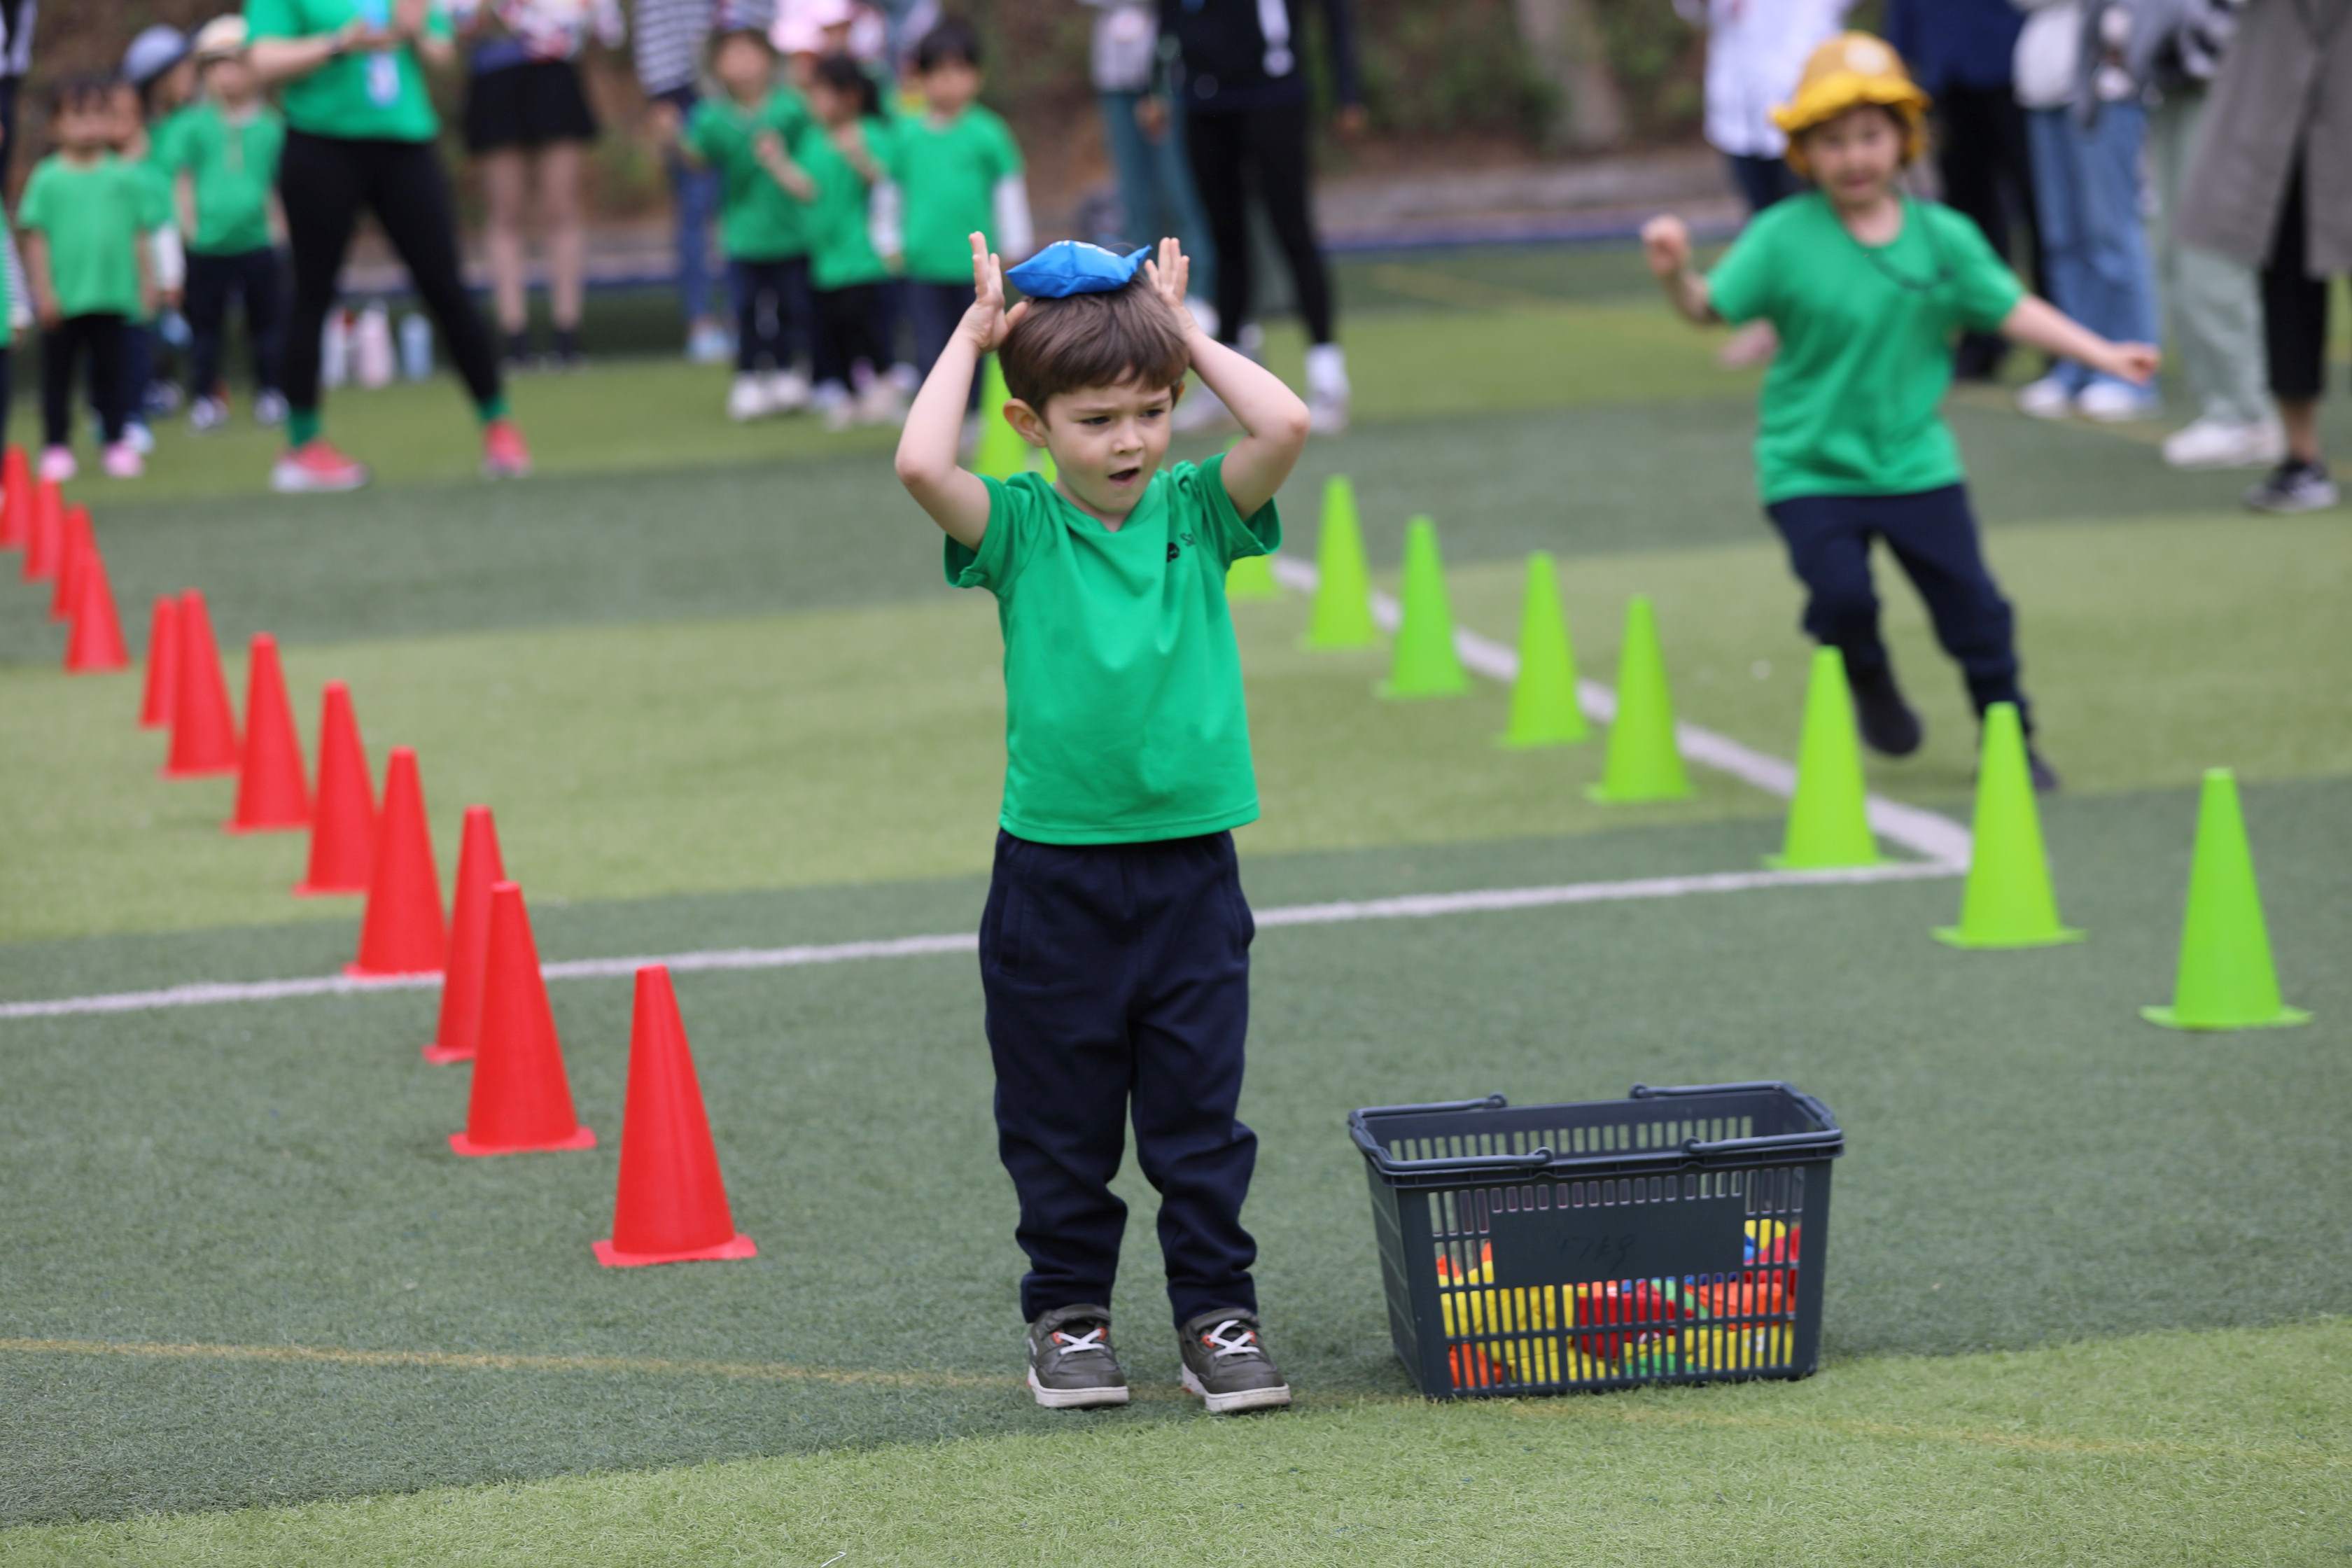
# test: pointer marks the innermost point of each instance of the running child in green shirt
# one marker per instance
(83, 212)
(959, 171)
(843, 150)
(223, 155)
(1868, 288)
(1114, 952)
(747, 133)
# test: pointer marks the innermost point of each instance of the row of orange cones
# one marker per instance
(672, 1204)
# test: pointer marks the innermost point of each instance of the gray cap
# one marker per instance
(156, 50)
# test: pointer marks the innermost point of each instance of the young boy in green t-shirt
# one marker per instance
(959, 169)
(223, 155)
(1868, 288)
(84, 211)
(843, 150)
(746, 134)
(1114, 953)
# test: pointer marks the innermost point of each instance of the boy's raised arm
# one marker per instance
(1273, 419)
(952, 494)
(1665, 247)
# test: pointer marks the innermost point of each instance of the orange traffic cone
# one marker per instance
(77, 543)
(402, 932)
(270, 794)
(162, 665)
(479, 867)
(672, 1206)
(342, 821)
(45, 534)
(203, 731)
(96, 646)
(521, 1098)
(16, 499)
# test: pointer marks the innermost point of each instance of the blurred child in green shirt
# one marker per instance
(84, 211)
(845, 150)
(746, 133)
(959, 171)
(1868, 288)
(223, 155)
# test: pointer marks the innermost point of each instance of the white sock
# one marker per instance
(1327, 371)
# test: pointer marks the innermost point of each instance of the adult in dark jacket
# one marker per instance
(1237, 65)
(1961, 52)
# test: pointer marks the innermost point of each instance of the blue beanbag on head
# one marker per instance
(1070, 267)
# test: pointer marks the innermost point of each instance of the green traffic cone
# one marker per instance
(2225, 980)
(1543, 699)
(1001, 452)
(2008, 902)
(1342, 615)
(1425, 664)
(1829, 828)
(1251, 577)
(1643, 764)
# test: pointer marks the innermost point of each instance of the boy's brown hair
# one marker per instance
(1093, 340)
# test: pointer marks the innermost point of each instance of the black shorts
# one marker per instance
(528, 105)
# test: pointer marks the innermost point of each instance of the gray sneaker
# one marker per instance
(1071, 1366)
(1226, 1364)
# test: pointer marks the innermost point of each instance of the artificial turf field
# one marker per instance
(2087, 1279)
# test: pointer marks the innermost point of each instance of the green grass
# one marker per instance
(2078, 1296)
(2178, 1448)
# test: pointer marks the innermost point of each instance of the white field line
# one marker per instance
(1926, 833)
(1409, 906)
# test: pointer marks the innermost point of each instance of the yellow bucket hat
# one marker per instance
(1850, 71)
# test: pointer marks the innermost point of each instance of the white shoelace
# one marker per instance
(1073, 1344)
(1220, 1346)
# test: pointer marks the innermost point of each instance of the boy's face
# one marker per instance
(85, 124)
(229, 78)
(743, 66)
(127, 121)
(1108, 441)
(1855, 156)
(949, 87)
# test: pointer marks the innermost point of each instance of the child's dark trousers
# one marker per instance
(771, 311)
(1934, 534)
(1118, 975)
(100, 338)
(252, 278)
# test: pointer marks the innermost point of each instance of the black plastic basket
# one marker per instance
(1675, 1236)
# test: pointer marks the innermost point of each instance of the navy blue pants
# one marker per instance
(772, 312)
(1118, 979)
(1933, 534)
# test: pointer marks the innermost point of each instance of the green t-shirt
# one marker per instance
(1123, 712)
(759, 220)
(164, 136)
(949, 174)
(93, 219)
(1851, 404)
(373, 95)
(231, 165)
(840, 235)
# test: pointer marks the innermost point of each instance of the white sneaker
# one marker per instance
(904, 377)
(1202, 412)
(58, 465)
(880, 403)
(709, 343)
(123, 462)
(833, 406)
(206, 415)
(269, 409)
(2046, 399)
(1326, 389)
(2113, 403)
(2225, 444)
(788, 391)
(747, 400)
(137, 437)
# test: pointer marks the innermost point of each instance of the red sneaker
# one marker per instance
(316, 466)
(504, 456)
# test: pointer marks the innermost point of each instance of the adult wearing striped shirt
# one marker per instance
(1237, 65)
(360, 138)
(669, 37)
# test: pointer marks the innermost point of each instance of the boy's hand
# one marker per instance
(988, 321)
(664, 120)
(1171, 277)
(1665, 245)
(45, 306)
(2134, 362)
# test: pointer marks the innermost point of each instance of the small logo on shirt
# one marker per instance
(1174, 549)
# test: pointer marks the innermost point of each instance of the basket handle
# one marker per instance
(1533, 1159)
(1820, 1113)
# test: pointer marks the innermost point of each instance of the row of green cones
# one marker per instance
(2226, 978)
